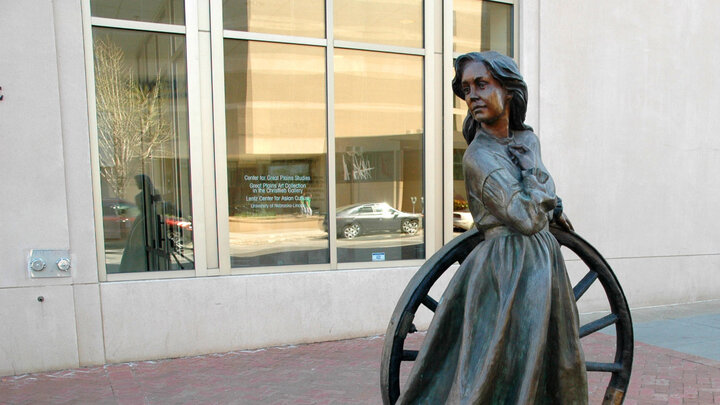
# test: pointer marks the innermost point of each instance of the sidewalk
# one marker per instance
(347, 372)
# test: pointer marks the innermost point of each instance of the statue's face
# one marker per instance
(486, 98)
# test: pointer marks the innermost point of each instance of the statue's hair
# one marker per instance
(506, 72)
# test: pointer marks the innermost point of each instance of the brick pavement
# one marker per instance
(342, 372)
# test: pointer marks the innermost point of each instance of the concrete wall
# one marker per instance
(624, 96)
(629, 101)
(46, 190)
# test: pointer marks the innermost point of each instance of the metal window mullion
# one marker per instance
(263, 37)
(203, 15)
(515, 33)
(400, 263)
(365, 46)
(151, 275)
(208, 145)
(330, 90)
(218, 101)
(138, 25)
(448, 118)
(282, 269)
(430, 166)
(94, 144)
(197, 181)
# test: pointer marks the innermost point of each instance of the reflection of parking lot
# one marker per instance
(383, 240)
(262, 243)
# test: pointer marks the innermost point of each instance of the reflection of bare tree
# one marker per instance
(129, 114)
(360, 166)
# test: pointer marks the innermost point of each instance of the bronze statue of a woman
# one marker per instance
(506, 328)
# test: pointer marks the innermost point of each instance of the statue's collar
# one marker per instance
(503, 141)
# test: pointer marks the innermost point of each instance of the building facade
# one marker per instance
(228, 175)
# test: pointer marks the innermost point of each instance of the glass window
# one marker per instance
(158, 11)
(479, 25)
(302, 18)
(276, 132)
(482, 26)
(275, 113)
(393, 22)
(142, 126)
(462, 220)
(379, 155)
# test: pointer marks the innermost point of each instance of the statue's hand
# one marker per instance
(522, 156)
(563, 222)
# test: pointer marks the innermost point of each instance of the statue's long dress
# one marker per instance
(506, 329)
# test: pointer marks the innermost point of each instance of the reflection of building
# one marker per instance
(331, 110)
(379, 169)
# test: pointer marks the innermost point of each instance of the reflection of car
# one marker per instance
(462, 220)
(118, 217)
(356, 219)
(179, 230)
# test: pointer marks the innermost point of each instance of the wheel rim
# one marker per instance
(351, 231)
(416, 294)
(410, 227)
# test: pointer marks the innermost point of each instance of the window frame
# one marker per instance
(330, 44)
(198, 188)
(204, 35)
(448, 103)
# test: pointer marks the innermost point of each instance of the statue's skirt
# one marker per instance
(505, 330)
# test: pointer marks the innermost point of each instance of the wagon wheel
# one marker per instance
(457, 250)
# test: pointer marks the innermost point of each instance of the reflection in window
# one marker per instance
(276, 147)
(462, 220)
(379, 156)
(478, 26)
(302, 18)
(158, 11)
(482, 26)
(141, 96)
(394, 22)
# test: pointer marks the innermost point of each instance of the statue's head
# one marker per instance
(505, 71)
(143, 182)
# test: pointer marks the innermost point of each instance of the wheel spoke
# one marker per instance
(584, 284)
(598, 324)
(603, 367)
(409, 355)
(430, 303)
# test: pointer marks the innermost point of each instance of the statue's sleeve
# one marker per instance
(522, 205)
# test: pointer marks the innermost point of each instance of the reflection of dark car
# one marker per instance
(118, 217)
(356, 219)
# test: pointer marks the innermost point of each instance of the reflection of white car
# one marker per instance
(462, 220)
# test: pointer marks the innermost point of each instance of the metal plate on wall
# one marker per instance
(48, 263)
